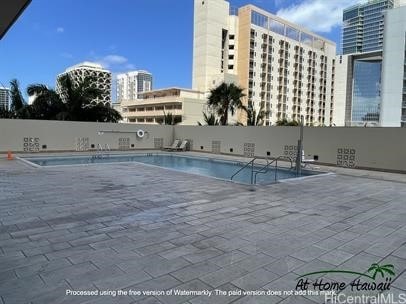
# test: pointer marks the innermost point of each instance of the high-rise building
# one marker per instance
(282, 67)
(4, 98)
(370, 77)
(100, 78)
(393, 108)
(131, 84)
(363, 26)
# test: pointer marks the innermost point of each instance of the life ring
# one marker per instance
(140, 133)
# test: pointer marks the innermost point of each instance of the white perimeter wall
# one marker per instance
(63, 136)
(377, 148)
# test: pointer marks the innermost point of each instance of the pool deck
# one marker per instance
(130, 226)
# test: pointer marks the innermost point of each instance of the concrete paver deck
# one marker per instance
(130, 226)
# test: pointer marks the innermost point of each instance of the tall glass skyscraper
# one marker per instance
(363, 26)
(370, 76)
(366, 97)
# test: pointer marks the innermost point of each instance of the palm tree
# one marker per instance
(254, 119)
(170, 119)
(101, 113)
(4, 113)
(17, 99)
(224, 99)
(73, 101)
(47, 104)
(19, 108)
(376, 268)
(210, 119)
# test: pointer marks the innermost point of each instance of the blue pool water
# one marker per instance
(198, 165)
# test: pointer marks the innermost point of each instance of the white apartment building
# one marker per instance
(131, 84)
(100, 78)
(185, 105)
(4, 98)
(282, 66)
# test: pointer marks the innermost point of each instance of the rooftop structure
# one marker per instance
(144, 227)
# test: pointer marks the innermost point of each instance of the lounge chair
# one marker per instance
(305, 161)
(174, 146)
(183, 146)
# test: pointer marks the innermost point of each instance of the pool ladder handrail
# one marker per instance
(251, 162)
(99, 152)
(264, 169)
(107, 149)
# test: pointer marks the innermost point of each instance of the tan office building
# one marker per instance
(285, 68)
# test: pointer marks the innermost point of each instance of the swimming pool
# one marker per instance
(222, 169)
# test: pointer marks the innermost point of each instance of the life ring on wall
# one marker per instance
(140, 133)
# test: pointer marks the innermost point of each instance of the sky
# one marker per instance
(123, 35)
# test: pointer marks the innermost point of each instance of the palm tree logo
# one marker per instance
(376, 268)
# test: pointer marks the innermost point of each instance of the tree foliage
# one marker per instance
(286, 122)
(225, 99)
(73, 101)
(210, 119)
(170, 119)
(254, 118)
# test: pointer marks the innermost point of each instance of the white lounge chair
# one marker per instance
(174, 146)
(305, 161)
(182, 146)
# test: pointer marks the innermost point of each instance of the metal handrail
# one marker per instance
(99, 152)
(107, 149)
(276, 166)
(251, 162)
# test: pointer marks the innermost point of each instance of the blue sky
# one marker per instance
(155, 35)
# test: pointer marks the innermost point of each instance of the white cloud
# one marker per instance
(317, 15)
(112, 60)
(60, 29)
(115, 62)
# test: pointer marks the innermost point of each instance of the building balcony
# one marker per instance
(153, 113)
